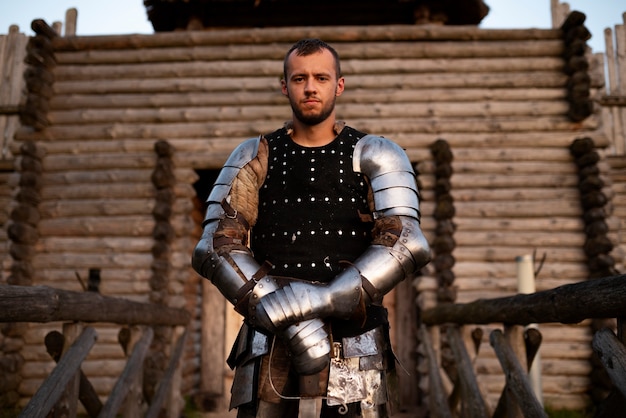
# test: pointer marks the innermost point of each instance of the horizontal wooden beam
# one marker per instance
(568, 304)
(613, 101)
(46, 304)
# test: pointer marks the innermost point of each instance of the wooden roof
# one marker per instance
(169, 15)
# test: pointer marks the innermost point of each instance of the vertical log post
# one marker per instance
(598, 246)
(52, 388)
(67, 405)
(55, 341)
(139, 340)
(438, 404)
(575, 36)
(164, 180)
(473, 404)
(516, 378)
(526, 285)
(212, 352)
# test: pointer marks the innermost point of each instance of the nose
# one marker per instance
(309, 85)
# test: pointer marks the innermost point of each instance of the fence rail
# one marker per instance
(67, 384)
(516, 347)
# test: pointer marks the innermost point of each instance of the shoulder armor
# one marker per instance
(241, 155)
(205, 260)
(390, 174)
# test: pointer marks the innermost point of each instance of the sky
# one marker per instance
(114, 17)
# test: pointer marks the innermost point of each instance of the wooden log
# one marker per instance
(548, 208)
(91, 192)
(162, 394)
(12, 51)
(473, 339)
(197, 114)
(532, 340)
(126, 382)
(486, 252)
(67, 404)
(123, 274)
(128, 175)
(238, 98)
(98, 226)
(212, 342)
(470, 286)
(547, 139)
(472, 402)
(82, 261)
(477, 180)
(612, 354)
(517, 238)
(98, 161)
(21, 233)
(516, 377)
(438, 404)
(240, 130)
(512, 80)
(54, 342)
(517, 154)
(50, 391)
(604, 298)
(505, 167)
(550, 366)
(290, 35)
(95, 244)
(264, 67)
(376, 49)
(40, 27)
(45, 304)
(96, 207)
(492, 220)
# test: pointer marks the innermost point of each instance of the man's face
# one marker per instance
(312, 86)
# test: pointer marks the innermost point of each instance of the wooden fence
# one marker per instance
(67, 384)
(12, 66)
(613, 100)
(594, 299)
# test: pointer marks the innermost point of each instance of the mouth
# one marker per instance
(310, 101)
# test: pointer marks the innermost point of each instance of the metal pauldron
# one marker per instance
(205, 259)
(395, 192)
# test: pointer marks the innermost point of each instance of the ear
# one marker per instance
(283, 87)
(340, 86)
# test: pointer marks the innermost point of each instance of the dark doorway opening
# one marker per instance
(206, 179)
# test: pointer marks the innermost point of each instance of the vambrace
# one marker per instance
(382, 267)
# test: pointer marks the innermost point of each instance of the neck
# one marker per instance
(314, 136)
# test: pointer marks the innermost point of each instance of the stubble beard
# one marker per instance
(312, 119)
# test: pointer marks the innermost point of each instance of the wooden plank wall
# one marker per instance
(497, 96)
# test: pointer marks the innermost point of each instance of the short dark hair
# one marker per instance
(310, 46)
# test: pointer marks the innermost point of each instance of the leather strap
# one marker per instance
(232, 213)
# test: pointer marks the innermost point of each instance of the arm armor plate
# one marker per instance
(394, 187)
(205, 259)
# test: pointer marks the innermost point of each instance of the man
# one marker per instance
(333, 220)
